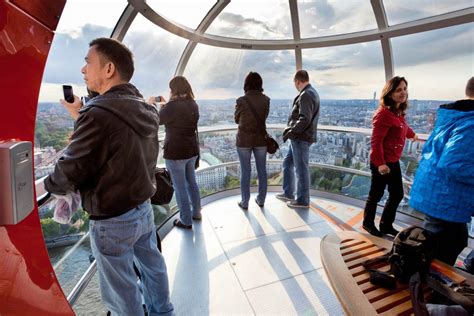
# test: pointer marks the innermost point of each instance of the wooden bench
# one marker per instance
(342, 254)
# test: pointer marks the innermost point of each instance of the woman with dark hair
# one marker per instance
(390, 130)
(181, 148)
(251, 112)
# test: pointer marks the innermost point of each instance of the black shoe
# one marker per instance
(389, 231)
(197, 217)
(242, 206)
(372, 230)
(180, 224)
(283, 197)
(296, 204)
(258, 203)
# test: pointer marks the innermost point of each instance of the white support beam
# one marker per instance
(295, 23)
(124, 23)
(432, 23)
(201, 29)
(382, 24)
(387, 58)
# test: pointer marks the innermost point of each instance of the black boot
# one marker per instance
(371, 229)
(388, 230)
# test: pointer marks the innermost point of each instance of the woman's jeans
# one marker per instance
(116, 243)
(377, 188)
(185, 187)
(296, 162)
(245, 155)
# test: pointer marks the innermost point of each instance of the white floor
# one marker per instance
(256, 262)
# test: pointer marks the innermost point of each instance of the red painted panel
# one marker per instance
(47, 13)
(28, 285)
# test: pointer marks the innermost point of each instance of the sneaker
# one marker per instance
(241, 205)
(197, 217)
(372, 230)
(283, 197)
(389, 231)
(259, 203)
(180, 224)
(296, 204)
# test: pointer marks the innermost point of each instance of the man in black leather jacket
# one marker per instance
(301, 131)
(111, 160)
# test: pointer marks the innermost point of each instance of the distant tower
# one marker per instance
(370, 111)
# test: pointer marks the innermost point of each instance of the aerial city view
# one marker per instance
(348, 75)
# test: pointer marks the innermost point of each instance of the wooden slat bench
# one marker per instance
(342, 254)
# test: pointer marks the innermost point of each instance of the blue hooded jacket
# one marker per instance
(444, 182)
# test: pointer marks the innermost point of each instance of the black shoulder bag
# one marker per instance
(272, 145)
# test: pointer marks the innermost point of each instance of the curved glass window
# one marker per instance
(347, 73)
(54, 124)
(70, 45)
(323, 17)
(156, 55)
(400, 11)
(263, 19)
(222, 76)
(65, 60)
(195, 10)
(437, 65)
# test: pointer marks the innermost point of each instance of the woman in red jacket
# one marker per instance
(388, 139)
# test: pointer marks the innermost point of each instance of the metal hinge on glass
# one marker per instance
(16, 181)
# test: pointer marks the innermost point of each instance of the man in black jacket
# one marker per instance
(301, 131)
(111, 160)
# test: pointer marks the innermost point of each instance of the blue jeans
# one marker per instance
(296, 162)
(185, 187)
(260, 154)
(116, 242)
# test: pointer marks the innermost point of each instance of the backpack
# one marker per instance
(410, 259)
(164, 187)
(412, 251)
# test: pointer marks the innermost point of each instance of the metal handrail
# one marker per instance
(81, 285)
(321, 128)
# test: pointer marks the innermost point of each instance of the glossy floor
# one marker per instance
(261, 261)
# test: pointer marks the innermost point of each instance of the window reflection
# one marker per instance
(323, 18)
(263, 19)
(437, 65)
(399, 11)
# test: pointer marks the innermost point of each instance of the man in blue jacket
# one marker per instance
(443, 188)
(301, 131)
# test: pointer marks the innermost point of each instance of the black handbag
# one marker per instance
(164, 187)
(272, 145)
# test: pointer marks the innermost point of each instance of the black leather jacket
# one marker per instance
(249, 133)
(303, 120)
(112, 155)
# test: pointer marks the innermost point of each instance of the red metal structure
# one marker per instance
(28, 285)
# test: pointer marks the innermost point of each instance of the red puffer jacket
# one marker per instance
(388, 136)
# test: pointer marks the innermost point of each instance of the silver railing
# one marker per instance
(43, 197)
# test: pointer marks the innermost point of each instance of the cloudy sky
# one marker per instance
(437, 64)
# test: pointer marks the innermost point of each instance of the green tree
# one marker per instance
(50, 228)
(336, 184)
(231, 182)
(325, 184)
